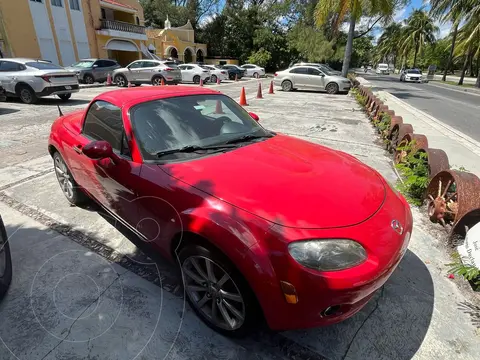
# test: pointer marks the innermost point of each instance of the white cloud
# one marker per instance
(206, 19)
(400, 15)
(444, 29)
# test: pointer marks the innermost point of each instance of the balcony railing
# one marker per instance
(121, 26)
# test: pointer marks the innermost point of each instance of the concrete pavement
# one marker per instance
(455, 108)
(81, 290)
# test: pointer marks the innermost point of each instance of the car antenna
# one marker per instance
(60, 113)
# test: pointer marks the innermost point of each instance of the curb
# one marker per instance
(456, 88)
(90, 86)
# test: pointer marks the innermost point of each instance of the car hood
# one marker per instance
(74, 68)
(337, 78)
(288, 181)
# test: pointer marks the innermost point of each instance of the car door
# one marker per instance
(300, 76)
(9, 73)
(187, 73)
(99, 70)
(112, 184)
(134, 69)
(145, 72)
(316, 79)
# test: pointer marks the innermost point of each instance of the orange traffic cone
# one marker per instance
(129, 84)
(243, 98)
(109, 80)
(218, 108)
(270, 91)
(236, 77)
(201, 82)
(259, 91)
(218, 81)
(162, 82)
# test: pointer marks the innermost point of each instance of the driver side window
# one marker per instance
(104, 122)
(314, 72)
(136, 65)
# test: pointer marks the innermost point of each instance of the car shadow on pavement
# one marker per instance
(4, 111)
(391, 326)
(53, 101)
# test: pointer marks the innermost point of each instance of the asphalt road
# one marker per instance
(456, 108)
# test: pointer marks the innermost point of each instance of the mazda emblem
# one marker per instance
(397, 227)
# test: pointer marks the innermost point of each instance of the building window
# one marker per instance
(74, 5)
(104, 15)
(39, 1)
(57, 3)
(138, 20)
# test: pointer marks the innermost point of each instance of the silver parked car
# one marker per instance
(311, 77)
(148, 72)
(323, 67)
(93, 70)
(30, 79)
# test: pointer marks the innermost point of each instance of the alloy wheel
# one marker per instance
(64, 177)
(26, 96)
(213, 292)
(286, 86)
(88, 79)
(120, 81)
(157, 81)
(332, 88)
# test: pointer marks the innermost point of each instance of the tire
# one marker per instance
(255, 75)
(287, 85)
(121, 80)
(88, 79)
(331, 88)
(245, 303)
(5, 261)
(65, 97)
(196, 79)
(27, 95)
(213, 79)
(231, 76)
(67, 183)
(157, 80)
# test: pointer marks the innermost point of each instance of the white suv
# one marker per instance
(30, 79)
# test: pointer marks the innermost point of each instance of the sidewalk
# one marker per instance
(462, 150)
(466, 80)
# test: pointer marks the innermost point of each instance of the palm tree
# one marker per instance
(454, 11)
(420, 30)
(387, 44)
(355, 9)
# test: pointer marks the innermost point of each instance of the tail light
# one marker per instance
(169, 69)
(275, 74)
(46, 78)
(223, 72)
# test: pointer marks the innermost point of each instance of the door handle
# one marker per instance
(77, 148)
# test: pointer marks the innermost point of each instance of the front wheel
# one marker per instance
(217, 292)
(331, 88)
(65, 97)
(287, 85)
(67, 183)
(5, 261)
(27, 95)
(121, 81)
(88, 79)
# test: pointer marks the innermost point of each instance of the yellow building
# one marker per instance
(176, 43)
(64, 31)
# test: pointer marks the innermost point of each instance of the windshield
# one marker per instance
(413, 72)
(43, 65)
(325, 69)
(84, 64)
(197, 120)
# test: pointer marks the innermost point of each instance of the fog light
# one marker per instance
(289, 292)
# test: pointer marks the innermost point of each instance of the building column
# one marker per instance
(54, 31)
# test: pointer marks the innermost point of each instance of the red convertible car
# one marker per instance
(261, 224)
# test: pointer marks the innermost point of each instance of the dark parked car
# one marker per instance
(234, 70)
(93, 70)
(5, 261)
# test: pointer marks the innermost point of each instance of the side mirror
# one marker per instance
(95, 66)
(254, 116)
(97, 150)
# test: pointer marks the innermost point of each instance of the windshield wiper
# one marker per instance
(247, 138)
(193, 148)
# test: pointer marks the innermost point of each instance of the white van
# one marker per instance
(383, 69)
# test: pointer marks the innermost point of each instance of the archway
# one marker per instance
(200, 55)
(171, 52)
(187, 56)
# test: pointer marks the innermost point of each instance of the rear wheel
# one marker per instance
(65, 97)
(255, 75)
(67, 183)
(216, 291)
(196, 79)
(157, 80)
(214, 78)
(27, 95)
(331, 88)
(5, 261)
(121, 81)
(287, 85)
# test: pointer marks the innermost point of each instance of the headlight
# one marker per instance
(328, 255)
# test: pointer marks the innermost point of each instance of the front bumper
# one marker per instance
(344, 87)
(413, 79)
(347, 290)
(58, 90)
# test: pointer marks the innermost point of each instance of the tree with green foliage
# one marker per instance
(420, 30)
(388, 43)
